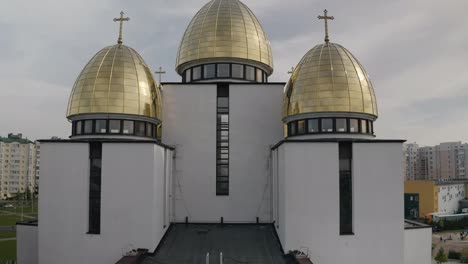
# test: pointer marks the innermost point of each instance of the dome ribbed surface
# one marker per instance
(118, 81)
(329, 79)
(223, 30)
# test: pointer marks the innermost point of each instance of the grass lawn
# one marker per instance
(7, 234)
(7, 250)
(9, 220)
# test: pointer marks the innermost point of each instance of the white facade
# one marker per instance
(306, 210)
(190, 125)
(135, 204)
(27, 247)
(449, 196)
(418, 246)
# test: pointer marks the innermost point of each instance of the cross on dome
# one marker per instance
(121, 20)
(326, 18)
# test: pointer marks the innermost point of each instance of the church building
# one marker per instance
(223, 166)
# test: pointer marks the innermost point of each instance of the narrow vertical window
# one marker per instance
(95, 156)
(346, 188)
(78, 127)
(222, 140)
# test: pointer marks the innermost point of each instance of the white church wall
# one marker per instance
(132, 201)
(26, 244)
(190, 125)
(254, 126)
(418, 246)
(311, 196)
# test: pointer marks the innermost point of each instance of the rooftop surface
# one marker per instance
(189, 244)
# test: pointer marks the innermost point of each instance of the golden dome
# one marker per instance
(115, 81)
(224, 30)
(329, 79)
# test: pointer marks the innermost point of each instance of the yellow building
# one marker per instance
(437, 196)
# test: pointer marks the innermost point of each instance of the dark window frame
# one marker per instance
(95, 187)
(345, 158)
(319, 120)
(108, 129)
(263, 79)
(222, 142)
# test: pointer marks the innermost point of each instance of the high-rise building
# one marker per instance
(410, 159)
(444, 161)
(18, 165)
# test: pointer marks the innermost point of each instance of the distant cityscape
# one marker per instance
(443, 161)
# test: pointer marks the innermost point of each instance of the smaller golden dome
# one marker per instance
(116, 81)
(225, 30)
(329, 79)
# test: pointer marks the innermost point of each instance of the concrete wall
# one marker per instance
(190, 125)
(132, 201)
(417, 249)
(310, 187)
(26, 244)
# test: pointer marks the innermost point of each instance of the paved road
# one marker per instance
(7, 239)
(7, 228)
(18, 214)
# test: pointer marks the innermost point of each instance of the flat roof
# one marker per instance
(333, 140)
(239, 243)
(106, 140)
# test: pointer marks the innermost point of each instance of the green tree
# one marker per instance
(441, 257)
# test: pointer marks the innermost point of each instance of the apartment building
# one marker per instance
(444, 161)
(19, 165)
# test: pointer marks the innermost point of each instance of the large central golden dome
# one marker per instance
(225, 30)
(116, 81)
(329, 79)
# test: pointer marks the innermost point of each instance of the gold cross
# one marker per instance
(121, 20)
(160, 73)
(325, 17)
(291, 71)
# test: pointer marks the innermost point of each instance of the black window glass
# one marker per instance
(88, 126)
(114, 126)
(346, 188)
(301, 127)
(238, 71)
(101, 126)
(196, 73)
(353, 126)
(292, 128)
(149, 129)
(341, 125)
(140, 128)
(127, 127)
(222, 170)
(209, 71)
(223, 101)
(259, 75)
(223, 70)
(250, 73)
(188, 75)
(78, 127)
(313, 125)
(363, 126)
(371, 127)
(327, 125)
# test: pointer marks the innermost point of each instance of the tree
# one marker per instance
(441, 257)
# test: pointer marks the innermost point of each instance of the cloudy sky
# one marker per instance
(416, 53)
